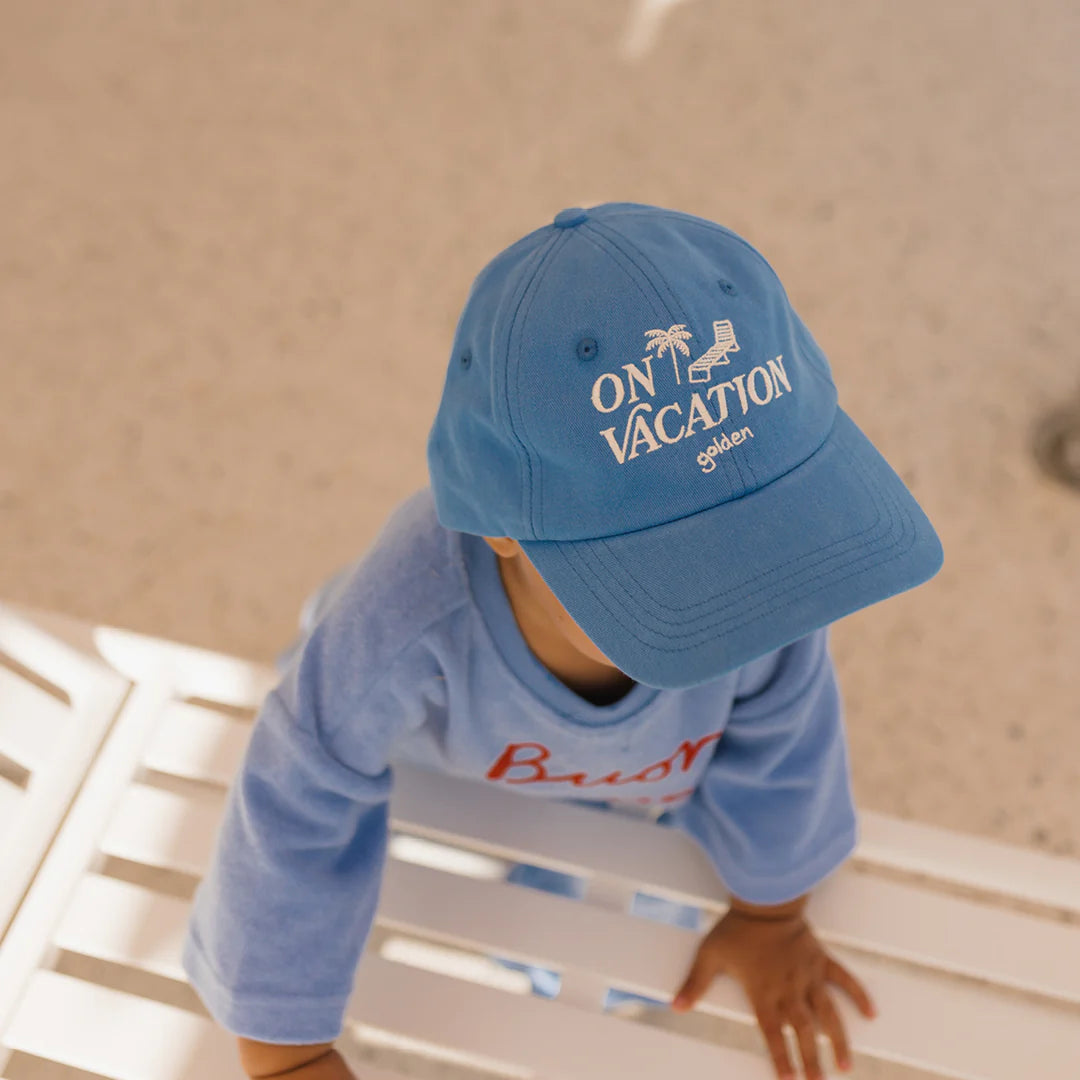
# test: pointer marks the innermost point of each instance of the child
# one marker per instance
(645, 510)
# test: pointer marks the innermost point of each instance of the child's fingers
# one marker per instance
(773, 1031)
(835, 973)
(706, 967)
(802, 1020)
(832, 1025)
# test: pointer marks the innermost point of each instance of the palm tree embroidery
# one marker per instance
(672, 339)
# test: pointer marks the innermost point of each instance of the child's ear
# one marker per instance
(503, 546)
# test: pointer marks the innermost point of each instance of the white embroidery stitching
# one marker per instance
(674, 339)
(702, 368)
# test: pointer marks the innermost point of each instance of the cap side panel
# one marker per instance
(515, 424)
(636, 257)
(469, 448)
(642, 210)
(819, 367)
(651, 295)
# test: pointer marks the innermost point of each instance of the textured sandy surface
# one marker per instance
(235, 236)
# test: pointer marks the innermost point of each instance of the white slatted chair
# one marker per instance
(55, 709)
(90, 976)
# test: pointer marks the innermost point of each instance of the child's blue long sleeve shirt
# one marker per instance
(416, 657)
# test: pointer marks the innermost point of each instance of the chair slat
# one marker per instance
(195, 672)
(1003, 869)
(32, 722)
(125, 924)
(564, 837)
(197, 743)
(949, 933)
(163, 829)
(68, 659)
(11, 795)
(366, 1071)
(117, 1035)
(554, 1040)
(12, 798)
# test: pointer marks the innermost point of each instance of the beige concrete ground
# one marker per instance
(234, 237)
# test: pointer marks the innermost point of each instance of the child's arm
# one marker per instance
(282, 915)
(262, 1061)
(775, 813)
(774, 810)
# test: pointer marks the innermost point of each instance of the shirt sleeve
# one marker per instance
(281, 917)
(774, 810)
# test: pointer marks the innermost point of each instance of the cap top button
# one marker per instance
(567, 219)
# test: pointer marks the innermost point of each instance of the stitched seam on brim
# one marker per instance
(783, 593)
(835, 549)
(874, 558)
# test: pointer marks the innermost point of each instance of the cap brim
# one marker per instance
(684, 602)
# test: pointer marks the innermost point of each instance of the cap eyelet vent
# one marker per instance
(727, 287)
(466, 359)
(587, 348)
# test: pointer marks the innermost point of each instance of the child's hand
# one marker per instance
(784, 970)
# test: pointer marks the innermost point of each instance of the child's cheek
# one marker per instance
(582, 642)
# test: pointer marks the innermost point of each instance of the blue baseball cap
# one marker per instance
(631, 397)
